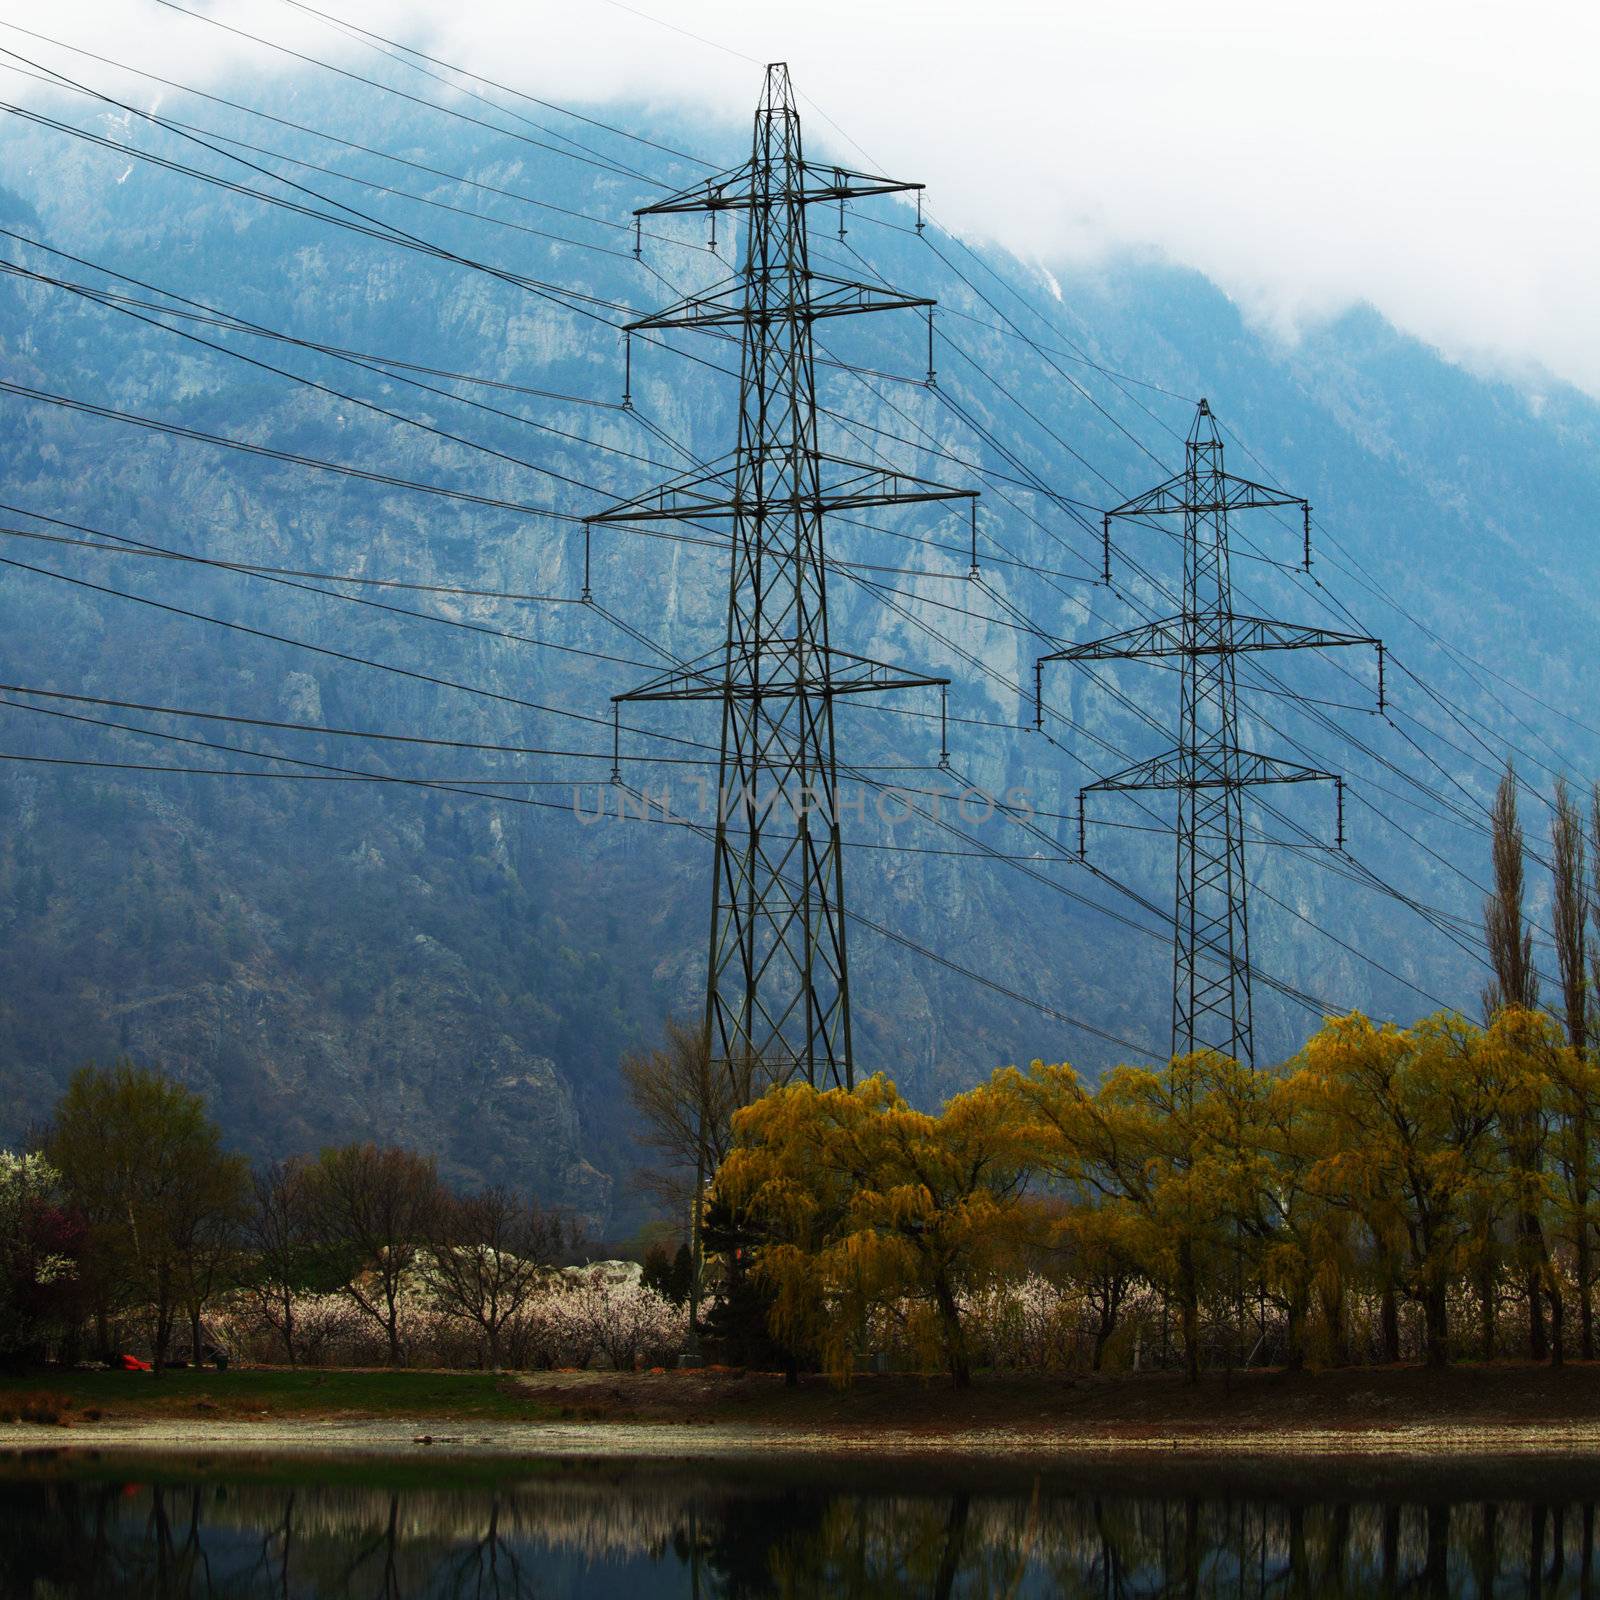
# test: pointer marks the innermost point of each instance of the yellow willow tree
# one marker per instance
(1544, 1083)
(1416, 1120)
(1299, 1243)
(1154, 1147)
(863, 1201)
(1574, 1088)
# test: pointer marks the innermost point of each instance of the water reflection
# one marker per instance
(649, 1533)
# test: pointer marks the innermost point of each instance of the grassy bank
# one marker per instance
(1498, 1395)
(83, 1398)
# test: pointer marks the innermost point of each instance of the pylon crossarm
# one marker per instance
(740, 188)
(1166, 498)
(1243, 495)
(1209, 767)
(781, 671)
(1169, 637)
(1254, 769)
(706, 491)
(1260, 633)
(845, 486)
(1173, 498)
(729, 304)
(853, 485)
(823, 182)
(1161, 638)
(728, 191)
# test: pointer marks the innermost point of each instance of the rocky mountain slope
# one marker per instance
(330, 959)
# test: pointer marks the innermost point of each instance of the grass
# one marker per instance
(65, 1397)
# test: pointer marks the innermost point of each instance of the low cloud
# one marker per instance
(1436, 160)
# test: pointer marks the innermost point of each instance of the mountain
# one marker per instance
(329, 959)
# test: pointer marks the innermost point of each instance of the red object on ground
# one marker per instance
(132, 1364)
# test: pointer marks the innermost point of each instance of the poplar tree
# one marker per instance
(1571, 907)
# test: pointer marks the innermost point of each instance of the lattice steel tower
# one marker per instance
(778, 984)
(1209, 770)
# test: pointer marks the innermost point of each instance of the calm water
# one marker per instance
(972, 1530)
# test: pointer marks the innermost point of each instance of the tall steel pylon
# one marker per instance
(777, 982)
(1211, 1006)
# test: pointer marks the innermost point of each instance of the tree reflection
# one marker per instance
(723, 1538)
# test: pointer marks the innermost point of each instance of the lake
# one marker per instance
(429, 1526)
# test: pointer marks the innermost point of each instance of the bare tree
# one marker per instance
(208, 1210)
(375, 1208)
(686, 1101)
(492, 1252)
(1508, 937)
(278, 1236)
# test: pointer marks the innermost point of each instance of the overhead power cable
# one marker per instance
(573, 154)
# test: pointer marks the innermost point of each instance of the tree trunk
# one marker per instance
(194, 1333)
(1111, 1298)
(1436, 1311)
(164, 1315)
(1534, 1255)
(1299, 1306)
(391, 1325)
(1558, 1319)
(1486, 1309)
(1389, 1324)
(1584, 1262)
(1333, 1315)
(955, 1339)
(1189, 1312)
(1104, 1325)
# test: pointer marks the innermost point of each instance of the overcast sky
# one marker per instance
(1439, 160)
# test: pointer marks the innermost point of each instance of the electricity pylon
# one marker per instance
(777, 982)
(1208, 768)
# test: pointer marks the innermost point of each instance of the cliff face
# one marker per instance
(330, 959)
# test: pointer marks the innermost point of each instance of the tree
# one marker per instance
(1515, 984)
(374, 1209)
(865, 1201)
(39, 1244)
(1093, 1239)
(282, 1245)
(208, 1214)
(1506, 933)
(491, 1253)
(1570, 911)
(1415, 1140)
(144, 1165)
(1299, 1242)
(685, 1103)
(668, 1273)
(1145, 1142)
